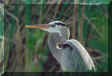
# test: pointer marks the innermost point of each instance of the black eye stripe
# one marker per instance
(61, 24)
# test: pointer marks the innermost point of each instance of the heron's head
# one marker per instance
(55, 26)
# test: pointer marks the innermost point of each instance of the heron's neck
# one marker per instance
(53, 40)
(56, 38)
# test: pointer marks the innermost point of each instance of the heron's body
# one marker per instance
(71, 55)
(75, 59)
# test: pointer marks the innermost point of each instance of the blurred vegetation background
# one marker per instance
(27, 50)
(1, 37)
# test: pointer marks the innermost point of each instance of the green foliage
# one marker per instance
(1, 38)
(95, 1)
(1, 19)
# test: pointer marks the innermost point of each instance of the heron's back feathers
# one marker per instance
(82, 52)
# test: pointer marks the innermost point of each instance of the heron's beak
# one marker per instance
(40, 26)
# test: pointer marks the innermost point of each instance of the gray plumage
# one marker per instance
(74, 57)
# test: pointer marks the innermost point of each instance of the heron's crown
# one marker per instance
(58, 23)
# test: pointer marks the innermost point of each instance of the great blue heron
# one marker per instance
(71, 55)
